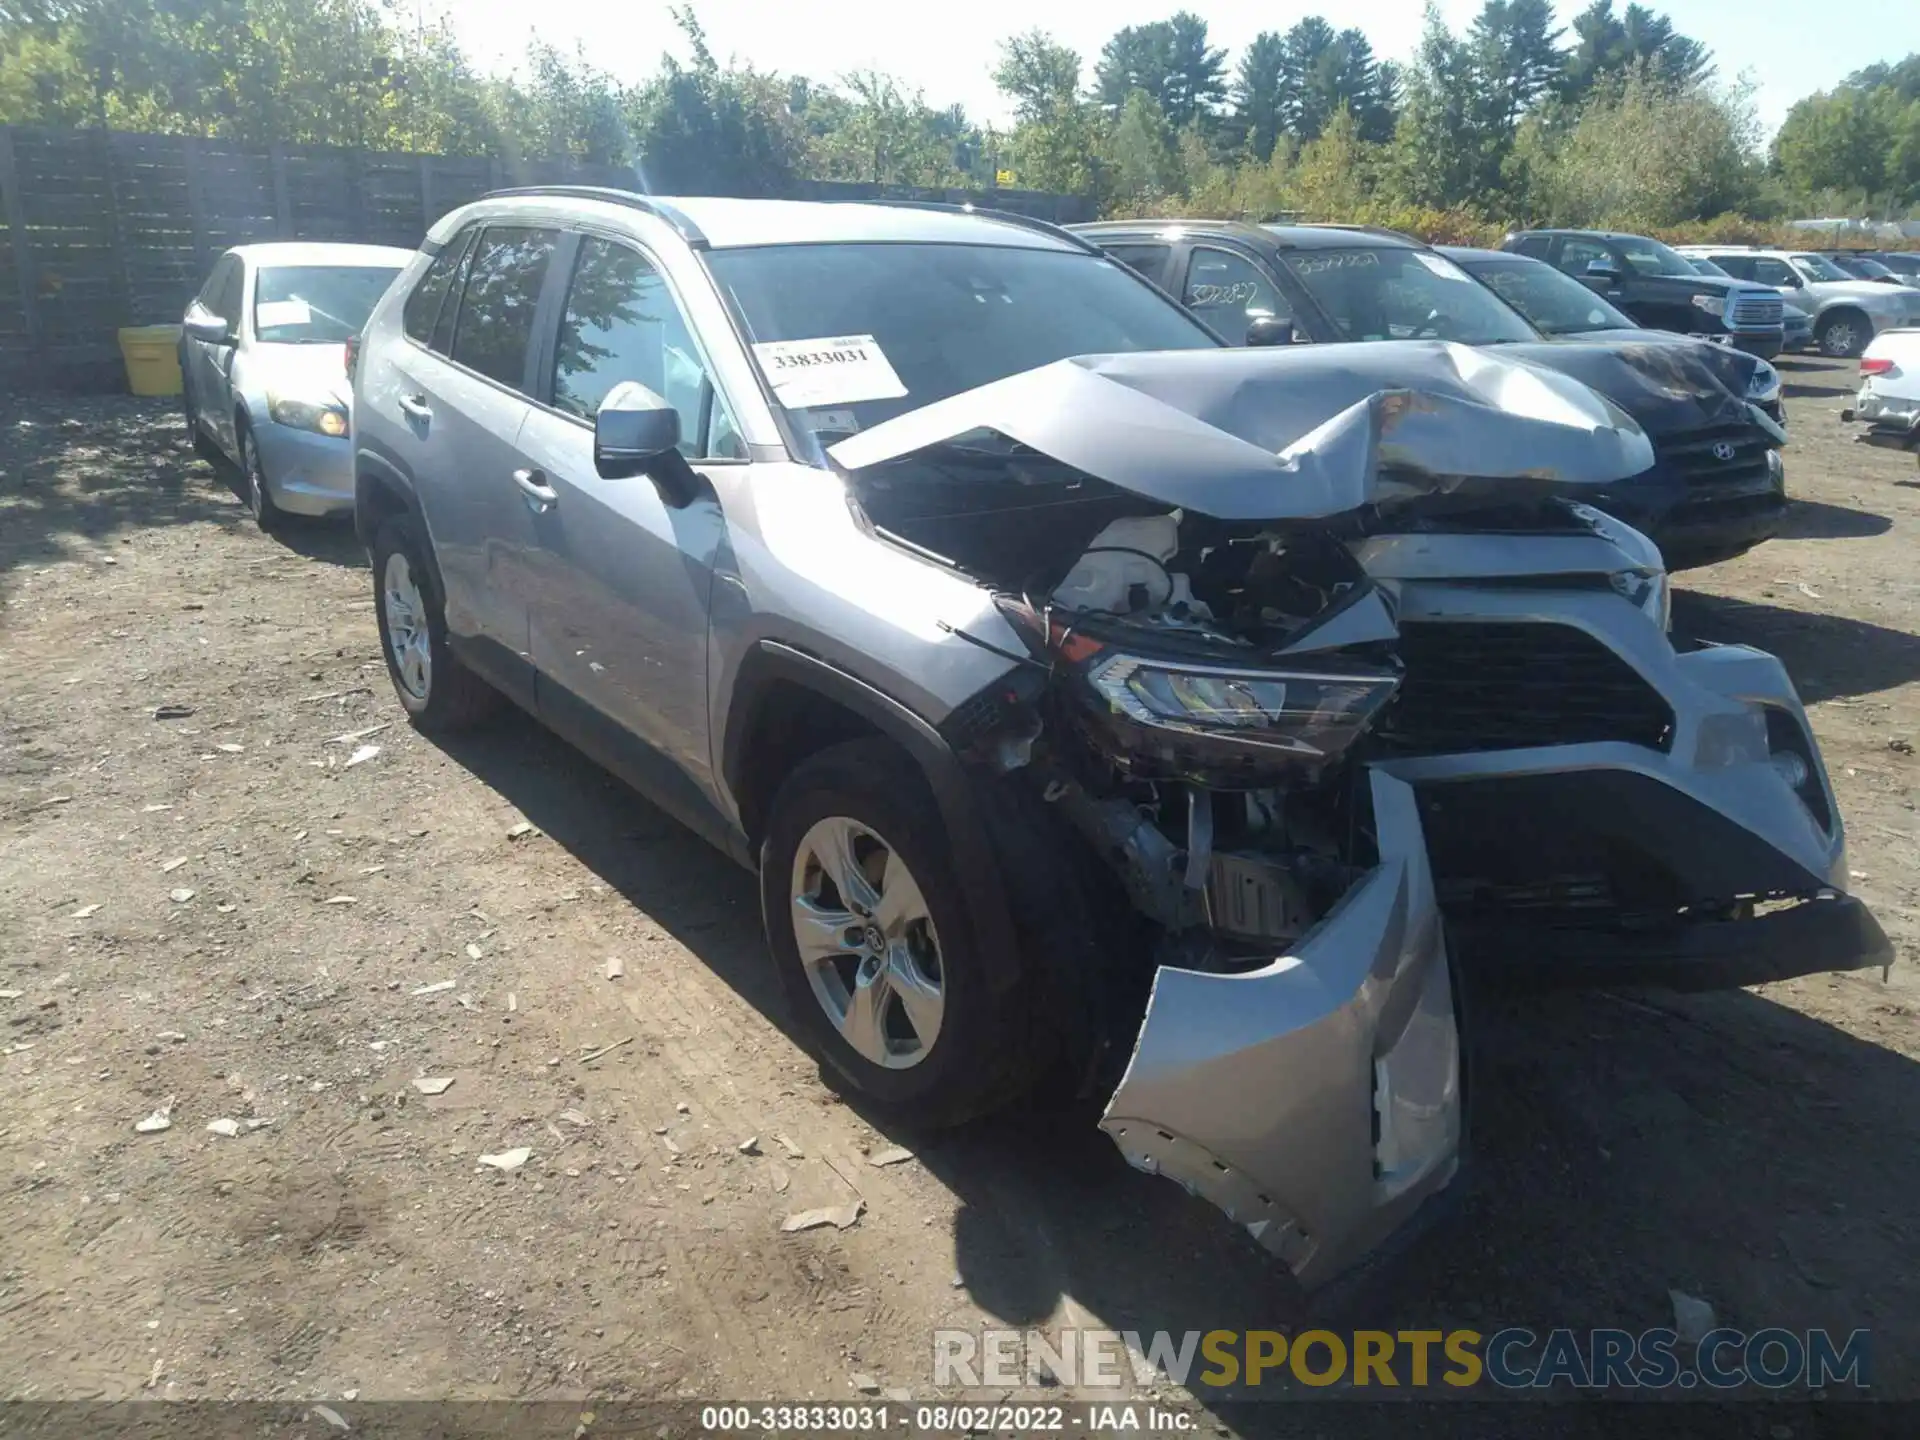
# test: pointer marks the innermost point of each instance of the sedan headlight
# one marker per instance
(1714, 305)
(1173, 719)
(322, 417)
(1763, 386)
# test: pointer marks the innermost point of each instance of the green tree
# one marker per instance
(1256, 94)
(1444, 157)
(1516, 48)
(1145, 151)
(1037, 73)
(1607, 46)
(1169, 59)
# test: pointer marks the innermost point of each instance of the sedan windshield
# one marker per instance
(1650, 257)
(1818, 267)
(316, 304)
(1387, 293)
(851, 335)
(1556, 303)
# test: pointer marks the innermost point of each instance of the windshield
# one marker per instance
(1386, 293)
(1556, 303)
(316, 304)
(1650, 257)
(1818, 267)
(851, 335)
(1706, 267)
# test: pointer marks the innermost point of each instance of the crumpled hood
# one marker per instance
(1252, 434)
(303, 372)
(1665, 382)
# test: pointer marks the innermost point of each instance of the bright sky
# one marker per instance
(1786, 47)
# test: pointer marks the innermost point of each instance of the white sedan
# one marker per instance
(263, 360)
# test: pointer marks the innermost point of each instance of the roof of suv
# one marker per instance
(1287, 237)
(724, 223)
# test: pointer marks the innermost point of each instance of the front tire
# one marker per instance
(435, 689)
(872, 940)
(1844, 335)
(253, 484)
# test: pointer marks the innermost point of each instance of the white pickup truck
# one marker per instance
(1889, 401)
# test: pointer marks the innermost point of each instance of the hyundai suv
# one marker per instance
(1097, 704)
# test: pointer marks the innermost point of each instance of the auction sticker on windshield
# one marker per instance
(843, 370)
(272, 314)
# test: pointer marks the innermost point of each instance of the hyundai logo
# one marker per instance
(1723, 451)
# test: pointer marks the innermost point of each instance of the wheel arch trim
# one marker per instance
(769, 663)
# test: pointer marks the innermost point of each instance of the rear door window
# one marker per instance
(1535, 245)
(422, 311)
(504, 281)
(1768, 271)
(1149, 260)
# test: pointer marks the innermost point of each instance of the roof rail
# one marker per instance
(633, 199)
(1366, 230)
(1010, 217)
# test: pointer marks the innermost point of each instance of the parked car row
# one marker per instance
(1846, 312)
(1717, 486)
(1102, 706)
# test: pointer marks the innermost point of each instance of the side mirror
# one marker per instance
(632, 429)
(636, 432)
(1602, 273)
(1269, 330)
(202, 324)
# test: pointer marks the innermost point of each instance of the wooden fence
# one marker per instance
(105, 229)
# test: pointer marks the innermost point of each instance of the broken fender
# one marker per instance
(1290, 434)
(1317, 1100)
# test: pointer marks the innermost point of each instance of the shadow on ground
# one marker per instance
(1817, 520)
(1623, 1145)
(1796, 390)
(1827, 655)
(78, 471)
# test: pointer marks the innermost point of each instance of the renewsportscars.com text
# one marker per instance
(1511, 1359)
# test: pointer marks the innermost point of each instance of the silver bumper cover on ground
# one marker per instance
(1317, 1100)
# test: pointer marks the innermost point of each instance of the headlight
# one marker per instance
(1763, 387)
(1174, 719)
(1714, 305)
(323, 417)
(1649, 592)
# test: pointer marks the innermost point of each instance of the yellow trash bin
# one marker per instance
(152, 353)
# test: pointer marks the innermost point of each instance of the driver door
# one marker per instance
(1230, 291)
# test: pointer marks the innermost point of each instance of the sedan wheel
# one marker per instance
(253, 475)
(866, 937)
(409, 642)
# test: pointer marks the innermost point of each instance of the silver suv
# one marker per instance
(1098, 704)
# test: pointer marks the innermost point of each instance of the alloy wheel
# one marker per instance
(409, 644)
(1838, 339)
(867, 941)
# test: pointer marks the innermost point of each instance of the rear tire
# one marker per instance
(197, 436)
(891, 993)
(1844, 335)
(435, 689)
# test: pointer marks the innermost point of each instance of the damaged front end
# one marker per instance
(1211, 560)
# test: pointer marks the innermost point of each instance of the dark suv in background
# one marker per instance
(1659, 288)
(1717, 487)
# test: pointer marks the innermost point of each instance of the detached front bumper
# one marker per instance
(307, 474)
(1317, 1100)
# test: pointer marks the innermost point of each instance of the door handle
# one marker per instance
(533, 484)
(416, 406)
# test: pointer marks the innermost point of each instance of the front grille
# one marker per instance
(1757, 312)
(1483, 685)
(1717, 457)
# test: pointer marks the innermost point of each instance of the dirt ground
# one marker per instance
(220, 914)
